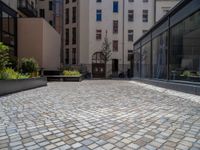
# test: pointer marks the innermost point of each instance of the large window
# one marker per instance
(8, 30)
(159, 56)
(146, 61)
(137, 63)
(185, 50)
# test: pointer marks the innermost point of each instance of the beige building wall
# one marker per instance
(43, 45)
(51, 47)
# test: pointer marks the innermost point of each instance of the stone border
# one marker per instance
(13, 86)
(64, 78)
(168, 91)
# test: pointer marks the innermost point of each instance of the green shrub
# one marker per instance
(71, 73)
(8, 74)
(4, 56)
(29, 65)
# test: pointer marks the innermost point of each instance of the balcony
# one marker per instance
(26, 8)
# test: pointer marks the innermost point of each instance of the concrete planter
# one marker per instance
(12, 86)
(65, 78)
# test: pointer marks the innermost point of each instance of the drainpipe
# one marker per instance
(123, 28)
(154, 11)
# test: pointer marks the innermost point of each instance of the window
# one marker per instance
(130, 15)
(165, 9)
(115, 46)
(115, 26)
(67, 37)
(146, 60)
(8, 24)
(74, 14)
(185, 50)
(115, 6)
(159, 56)
(74, 56)
(98, 34)
(98, 1)
(130, 53)
(130, 1)
(51, 22)
(73, 35)
(145, 15)
(130, 35)
(98, 15)
(42, 13)
(67, 16)
(67, 56)
(144, 31)
(145, 1)
(67, 2)
(50, 5)
(73, 0)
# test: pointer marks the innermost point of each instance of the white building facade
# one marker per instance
(87, 22)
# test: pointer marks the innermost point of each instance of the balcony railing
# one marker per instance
(26, 8)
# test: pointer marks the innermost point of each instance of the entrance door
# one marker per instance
(115, 64)
(98, 65)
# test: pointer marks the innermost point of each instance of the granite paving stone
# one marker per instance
(100, 115)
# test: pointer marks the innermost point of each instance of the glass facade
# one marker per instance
(146, 60)
(185, 50)
(8, 28)
(159, 56)
(173, 50)
(137, 63)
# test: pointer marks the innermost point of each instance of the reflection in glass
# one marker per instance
(146, 61)
(137, 63)
(185, 50)
(159, 56)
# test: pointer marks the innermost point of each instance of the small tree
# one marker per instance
(106, 50)
(29, 65)
(4, 56)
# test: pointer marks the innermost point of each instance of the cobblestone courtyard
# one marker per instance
(99, 115)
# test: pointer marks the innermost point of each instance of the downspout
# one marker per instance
(154, 11)
(123, 28)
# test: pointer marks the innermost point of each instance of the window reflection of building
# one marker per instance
(159, 56)
(146, 60)
(185, 49)
(173, 50)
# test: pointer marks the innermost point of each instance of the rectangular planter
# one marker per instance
(13, 86)
(64, 78)
(178, 86)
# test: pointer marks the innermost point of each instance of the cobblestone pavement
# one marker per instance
(98, 115)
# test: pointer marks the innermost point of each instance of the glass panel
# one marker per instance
(185, 50)
(6, 38)
(11, 25)
(137, 63)
(159, 56)
(146, 61)
(5, 25)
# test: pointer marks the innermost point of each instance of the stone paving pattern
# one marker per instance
(100, 115)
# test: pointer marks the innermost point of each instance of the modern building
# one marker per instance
(18, 18)
(87, 22)
(170, 50)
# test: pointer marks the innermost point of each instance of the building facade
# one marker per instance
(20, 17)
(87, 22)
(170, 50)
